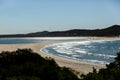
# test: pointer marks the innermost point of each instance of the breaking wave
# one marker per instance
(95, 52)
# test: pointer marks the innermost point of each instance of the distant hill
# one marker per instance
(108, 32)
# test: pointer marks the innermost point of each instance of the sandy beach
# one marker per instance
(73, 64)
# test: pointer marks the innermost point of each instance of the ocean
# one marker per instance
(82, 49)
(39, 39)
(98, 52)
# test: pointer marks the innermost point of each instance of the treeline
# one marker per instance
(24, 64)
(111, 72)
(112, 31)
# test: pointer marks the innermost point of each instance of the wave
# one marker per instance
(96, 52)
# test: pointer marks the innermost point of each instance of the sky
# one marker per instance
(25, 16)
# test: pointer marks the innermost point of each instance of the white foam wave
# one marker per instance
(69, 50)
(104, 55)
(81, 51)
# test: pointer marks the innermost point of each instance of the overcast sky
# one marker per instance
(24, 16)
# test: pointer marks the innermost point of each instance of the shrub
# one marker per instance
(111, 72)
(24, 64)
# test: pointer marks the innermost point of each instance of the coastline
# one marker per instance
(73, 64)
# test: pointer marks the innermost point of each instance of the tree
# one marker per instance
(24, 64)
(111, 72)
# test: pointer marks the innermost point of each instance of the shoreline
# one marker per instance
(83, 62)
(43, 50)
(78, 66)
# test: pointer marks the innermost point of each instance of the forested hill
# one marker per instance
(111, 31)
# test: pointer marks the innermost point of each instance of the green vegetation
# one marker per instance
(24, 64)
(111, 72)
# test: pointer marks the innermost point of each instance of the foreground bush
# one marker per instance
(111, 72)
(24, 64)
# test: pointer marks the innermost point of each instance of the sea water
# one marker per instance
(94, 52)
(39, 39)
(78, 48)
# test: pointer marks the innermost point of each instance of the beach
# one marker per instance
(78, 66)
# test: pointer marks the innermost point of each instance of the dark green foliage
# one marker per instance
(111, 72)
(24, 64)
